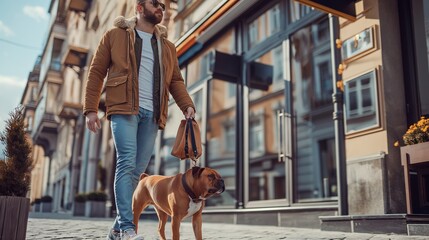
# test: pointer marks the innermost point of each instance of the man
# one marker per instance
(142, 69)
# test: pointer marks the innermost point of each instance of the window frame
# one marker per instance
(362, 112)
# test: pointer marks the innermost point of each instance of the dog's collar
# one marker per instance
(189, 191)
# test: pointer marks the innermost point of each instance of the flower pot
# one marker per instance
(79, 209)
(415, 158)
(46, 207)
(14, 217)
(95, 209)
(36, 207)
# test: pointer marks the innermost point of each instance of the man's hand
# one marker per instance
(93, 122)
(190, 113)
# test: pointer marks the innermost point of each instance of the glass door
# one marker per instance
(313, 127)
(268, 146)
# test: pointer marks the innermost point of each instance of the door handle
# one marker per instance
(280, 137)
(287, 117)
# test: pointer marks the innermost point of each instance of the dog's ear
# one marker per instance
(196, 172)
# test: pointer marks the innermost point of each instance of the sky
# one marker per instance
(23, 29)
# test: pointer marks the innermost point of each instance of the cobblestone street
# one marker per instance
(63, 226)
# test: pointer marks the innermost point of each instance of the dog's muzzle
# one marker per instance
(218, 188)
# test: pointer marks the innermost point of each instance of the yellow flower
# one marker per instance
(417, 132)
(396, 144)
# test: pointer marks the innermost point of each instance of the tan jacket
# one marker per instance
(115, 56)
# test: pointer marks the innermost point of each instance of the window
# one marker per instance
(169, 164)
(256, 136)
(182, 4)
(313, 126)
(197, 98)
(278, 64)
(200, 68)
(322, 86)
(30, 123)
(297, 11)
(264, 26)
(420, 38)
(361, 102)
(253, 33)
(274, 19)
(320, 32)
(220, 140)
(34, 92)
(229, 138)
(207, 65)
(328, 169)
(232, 90)
(360, 99)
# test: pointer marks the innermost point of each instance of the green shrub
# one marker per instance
(46, 199)
(15, 170)
(81, 197)
(97, 196)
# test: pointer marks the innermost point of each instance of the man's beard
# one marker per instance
(151, 17)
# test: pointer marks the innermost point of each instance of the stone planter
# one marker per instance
(415, 158)
(45, 207)
(95, 209)
(36, 207)
(79, 208)
(14, 217)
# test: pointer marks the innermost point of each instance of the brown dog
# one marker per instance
(177, 196)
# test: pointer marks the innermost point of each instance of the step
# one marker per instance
(404, 224)
(418, 229)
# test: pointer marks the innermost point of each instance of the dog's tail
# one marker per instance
(143, 175)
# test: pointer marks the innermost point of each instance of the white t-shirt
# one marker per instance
(146, 72)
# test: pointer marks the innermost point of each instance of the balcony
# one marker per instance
(70, 110)
(45, 130)
(75, 57)
(79, 5)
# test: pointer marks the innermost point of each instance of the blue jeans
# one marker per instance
(134, 137)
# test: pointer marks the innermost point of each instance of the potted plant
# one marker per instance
(79, 204)
(36, 207)
(46, 203)
(15, 174)
(415, 157)
(96, 204)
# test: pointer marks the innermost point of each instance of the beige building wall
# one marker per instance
(373, 164)
(36, 187)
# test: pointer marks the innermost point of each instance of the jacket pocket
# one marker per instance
(116, 90)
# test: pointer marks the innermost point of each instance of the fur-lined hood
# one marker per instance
(122, 22)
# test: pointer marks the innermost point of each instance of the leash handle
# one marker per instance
(194, 144)
(189, 129)
(186, 139)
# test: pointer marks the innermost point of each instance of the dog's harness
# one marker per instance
(189, 191)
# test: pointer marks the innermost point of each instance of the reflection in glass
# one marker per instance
(221, 139)
(298, 10)
(314, 158)
(266, 175)
(264, 26)
(170, 164)
(221, 117)
(199, 69)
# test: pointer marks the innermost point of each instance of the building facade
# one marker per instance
(298, 109)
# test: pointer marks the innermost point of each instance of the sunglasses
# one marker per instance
(156, 4)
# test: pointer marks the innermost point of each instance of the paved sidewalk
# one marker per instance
(64, 226)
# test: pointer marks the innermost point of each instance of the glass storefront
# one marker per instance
(312, 108)
(288, 139)
(420, 15)
(266, 173)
